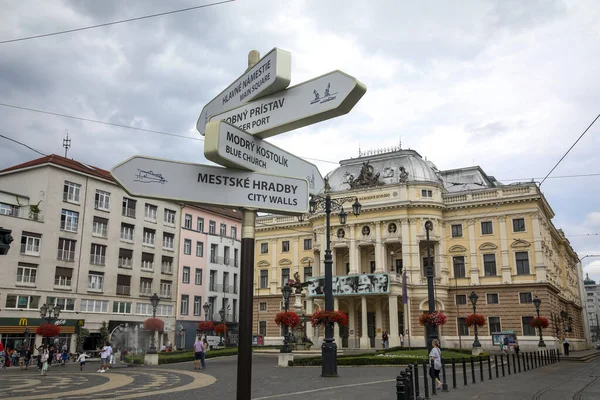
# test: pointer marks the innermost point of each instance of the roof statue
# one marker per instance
(365, 178)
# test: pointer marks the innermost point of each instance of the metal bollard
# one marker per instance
(464, 370)
(508, 363)
(453, 373)
(557, 355)
(444, 382)
(481, 368)
(409, 382)
(473, 369)
(490, 367)
(514, 363)
(502, 364)
(400, 387)
(416, 373)
(432, 376)
(496, 364)
(536, 359)
(425, 381)
(519, 362)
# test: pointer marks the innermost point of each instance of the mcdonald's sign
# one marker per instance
(23, 322)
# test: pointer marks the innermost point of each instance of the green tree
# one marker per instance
(83, 334)
(104, 333)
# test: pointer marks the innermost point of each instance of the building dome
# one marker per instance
(384, 168)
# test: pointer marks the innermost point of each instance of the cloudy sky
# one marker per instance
(507, 85)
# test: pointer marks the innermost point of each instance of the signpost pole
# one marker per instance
(244, 366)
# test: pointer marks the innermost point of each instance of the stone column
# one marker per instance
(473, 264)
(352, 250)
(365, 342)
(416, 270)
(274, 278)
(505, 263)
(379, 259)
(378, 321)
(295, 257)
(406, 256)
(538, 261)
(309, 329)
(336, 327)
(351, 324)
(394, 337)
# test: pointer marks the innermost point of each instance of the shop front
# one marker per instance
(15, 332)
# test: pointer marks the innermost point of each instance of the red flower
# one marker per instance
(48, 330)
(154, 325)
(435, 319)
(329, 317)
(539, 322)
(475, 319)
(206, 326)
(221, 328)
(290, 319)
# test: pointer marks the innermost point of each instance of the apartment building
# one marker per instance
(593, 307)
(84, 245)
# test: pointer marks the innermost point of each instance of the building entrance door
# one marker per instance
(371, 327)
(344, 335)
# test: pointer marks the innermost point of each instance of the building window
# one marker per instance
(121, 307)
(102, 200)
(149, 237)
(30, 244)
(459, 266)
(262, 306)
(264, 248)
(69, 220)
(187, 221)
(186, 275)
(65, 304)
(236, 257)
(426, 193)
(146, 286)
(165, 288)
(212, 227)
(168, 239)
(95, 282)
(197, 305)
(519, 225)
(264, 278)
(71, 192)
(93, 306)
(148, 261)
(198, 279)
(9, 209)
(150, 212)
(127, 232)
(285, 276)
(457, 230)
(528, 330)
(129, 207)
(285, 246)
(307, 244)
(62, 277)
(98, 254)
(262, 328)
(525, 298)
(461, 299)
(489, 264)
(494, 325)
(486, 228)
(463, 329)
(200, 224)
(100, 227)
(25, 302)
(125, 258)
(223, 230)
(372, 265)
(234, 232)
(66, 249)
(492, 298)
(26, 273)
(170, 216)
(522, 259)
(307, 273)
(166, 266)
(199, 249)
(185, 299)
(187, 246)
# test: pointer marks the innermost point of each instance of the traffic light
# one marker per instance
(5, 241)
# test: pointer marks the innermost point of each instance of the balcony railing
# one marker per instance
(220, 288)
(29, 249)
(22, 212)
(147, 266)
(151, 216)
(63, 282)
(216, 317)
(66, 255)
(149, 240)
(146, 291)
(221, 260)
(127, 236)
(166, 268)
(165, 293)
(101, 205)
(100, 230)
(27, 279)
(95, 288)
(125, 262)
(168, 244)
(128, 212)
(124, 290)
(68, 226)
(97, 259)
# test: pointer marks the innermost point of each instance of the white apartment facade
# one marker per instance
(84, 244)
(593, 307)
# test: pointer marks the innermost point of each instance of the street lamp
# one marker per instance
(473, 297)
(49, 314)
(432, 334)
(286, 290)
(326, 203)
(206, 307)
(154, 300)
(222, 314)
(536, 303)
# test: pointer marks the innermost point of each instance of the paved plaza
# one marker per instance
(565, 380)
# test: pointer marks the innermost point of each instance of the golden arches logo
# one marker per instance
(23, 322)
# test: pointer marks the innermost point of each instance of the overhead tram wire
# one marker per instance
(116, 22)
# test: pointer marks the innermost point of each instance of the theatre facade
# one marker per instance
(495, 240)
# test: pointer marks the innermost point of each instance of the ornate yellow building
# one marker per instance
(496, 240)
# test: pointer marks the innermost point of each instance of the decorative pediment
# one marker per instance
(263, 263)
(457, 249)
(285, 262)
(488, 246)
(520, 243)
(307, 260)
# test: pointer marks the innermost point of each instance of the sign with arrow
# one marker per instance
(319, 99)
(271, 74)
(230, 146)
(202, 184)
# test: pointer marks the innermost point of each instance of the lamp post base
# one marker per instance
(541, 344)
(151, 358)
(329, 355)
(152, 350)
(475, 351)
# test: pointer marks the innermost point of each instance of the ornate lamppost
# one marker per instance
(432, 334)
(49, 314)
(206, 307)
(473, 297)
(222, 314)
(286, 290)
(326, 203)
(536, 303)
(154, 300)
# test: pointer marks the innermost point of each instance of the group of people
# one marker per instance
(200, 348)
(11, 357)
(385, 340)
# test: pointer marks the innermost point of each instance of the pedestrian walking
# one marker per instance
(2, 360)
(401, 340)
(436, 356)
(203, 355)
(22, 356)
(81, 360)
(45, 357)
(385, 340)
(198, 346)
(50, 356)
(566, 345)
(517, 348)
(105, 357)
(64, 357)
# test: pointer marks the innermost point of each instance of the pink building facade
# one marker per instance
(208, 282)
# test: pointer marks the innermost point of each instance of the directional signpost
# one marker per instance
(232, 147)
(319, 99)
(196, 183)
(270, 74)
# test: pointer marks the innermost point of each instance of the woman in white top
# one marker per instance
(436, 356)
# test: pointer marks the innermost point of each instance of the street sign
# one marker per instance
(196, 183)
(271, 74)
(313, 101)
(232, 147)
